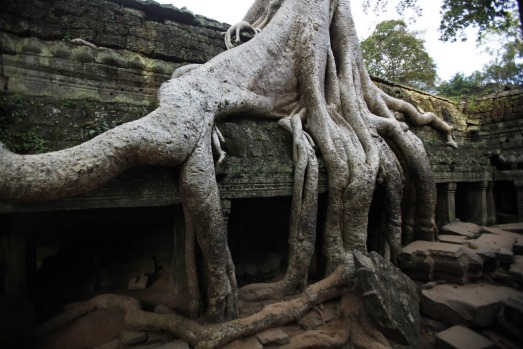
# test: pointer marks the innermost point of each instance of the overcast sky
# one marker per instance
(450, 58)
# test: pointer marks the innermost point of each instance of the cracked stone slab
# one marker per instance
(467, 229)
(460, 337)
(470, 304)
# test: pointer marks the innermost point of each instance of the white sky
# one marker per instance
(450, 58)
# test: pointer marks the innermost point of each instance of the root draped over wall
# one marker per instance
(303, 68)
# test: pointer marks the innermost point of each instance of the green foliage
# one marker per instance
(460, 85)
(94, 128)
(26, 142)
(507, 66)
(457, 15)
(398, 55)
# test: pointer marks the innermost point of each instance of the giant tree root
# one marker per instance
(208, 336)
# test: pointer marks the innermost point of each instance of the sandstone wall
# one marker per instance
(58, 93)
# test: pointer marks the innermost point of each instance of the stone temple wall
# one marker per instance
(70, 70)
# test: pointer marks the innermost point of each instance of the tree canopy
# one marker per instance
(457, 15)
(396, 54)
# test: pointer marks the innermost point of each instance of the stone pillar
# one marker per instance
(491, 204)
(519, 189)
(178, 266)
(477, 203)
(446, 206)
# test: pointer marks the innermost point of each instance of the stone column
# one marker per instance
(446, 206)
(519, 189)
(491, 204)
(477, 203)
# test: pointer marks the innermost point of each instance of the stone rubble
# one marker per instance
(470, 280)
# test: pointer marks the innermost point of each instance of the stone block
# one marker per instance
(469, 230)
(510, 317)
(386, 292)
(249, 343)
(470, 304)
(452, 239)
(516, 268)
(512, 227)
(273, 336)
(427, 261)
(459, 337)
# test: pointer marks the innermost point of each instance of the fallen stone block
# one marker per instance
(470, 230)
(273, 336)
(501, 242)
(510, 317)
(428, 261)
(387, 292)
(513, 227)
(516, 268)
(452, 239)
(470, 304)
(460, 337)
(248, 343)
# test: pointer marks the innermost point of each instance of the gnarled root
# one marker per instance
(217, 335)
(302, 229)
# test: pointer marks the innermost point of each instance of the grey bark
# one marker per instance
(304, 62)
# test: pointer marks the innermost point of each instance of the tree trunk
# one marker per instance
(305, 64)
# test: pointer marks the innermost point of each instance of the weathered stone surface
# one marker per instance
(390, 298)
(510, 317)
(459, 337)
(513, 227)
(249, 343)
(273, 336)
(452, 239)
(471, 304)
(469, 230)
(516, 268)
(428, 260)
(128, 337)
